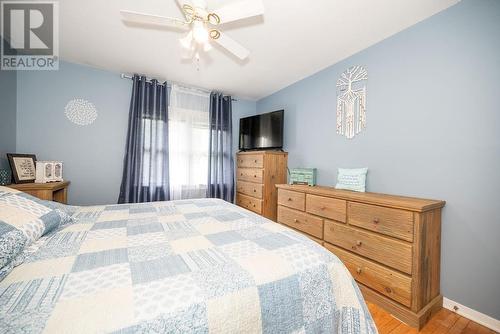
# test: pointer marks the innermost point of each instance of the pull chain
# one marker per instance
(197, 56)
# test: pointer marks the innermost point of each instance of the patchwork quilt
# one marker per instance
(193, 266)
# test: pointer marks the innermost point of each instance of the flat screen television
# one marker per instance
(263, 131)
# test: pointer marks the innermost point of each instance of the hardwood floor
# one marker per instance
(444, 322)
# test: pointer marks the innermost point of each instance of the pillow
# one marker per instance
(23, 220)
(352, 179)
(7, 191)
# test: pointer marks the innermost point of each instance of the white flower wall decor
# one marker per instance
(351, 101)
(80, 112)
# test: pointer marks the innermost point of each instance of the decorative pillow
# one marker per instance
(352, 179)
(24, 219)
(7, 191)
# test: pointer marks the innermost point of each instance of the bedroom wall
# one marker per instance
(92, 155)
(432, 131)
(8, 88)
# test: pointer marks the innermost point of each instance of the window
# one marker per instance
(188, 142)
(153, 129)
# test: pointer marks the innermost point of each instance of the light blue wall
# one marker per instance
(7, 115)
(93, 154)
(433, 130)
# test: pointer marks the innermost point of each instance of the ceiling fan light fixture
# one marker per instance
(187, 41)
(207, 47)
(214, 34)
(200, 33)
(213, 19)
(188, 10)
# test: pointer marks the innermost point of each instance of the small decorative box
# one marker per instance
(303, 176)
(49, 171)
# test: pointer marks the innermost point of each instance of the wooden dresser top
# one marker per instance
(391, 201)
(262, 152)
(39, 186)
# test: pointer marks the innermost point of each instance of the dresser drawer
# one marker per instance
(292, 199)
(301, 221)
(393, 222)
(250, 174)
(250, 203)
(326, 207)
(251, 160)
(249, 188)
(388, 282)
(319, 241)
(393, 253)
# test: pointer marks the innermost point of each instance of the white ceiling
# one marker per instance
(294, 39)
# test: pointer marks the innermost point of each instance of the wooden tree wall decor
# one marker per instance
(351, 101)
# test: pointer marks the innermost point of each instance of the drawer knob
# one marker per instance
(255, 160)
(255, 190)
(376, 220)
(358, 270)
(359, 243)
(295, 220)
(388, 290)
(241, 174)
(255, 175)
(254, 205)
(289, 199)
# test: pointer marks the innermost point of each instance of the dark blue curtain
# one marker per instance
(145, 166)
(220, 155)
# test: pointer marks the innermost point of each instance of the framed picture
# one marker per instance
(23, 167)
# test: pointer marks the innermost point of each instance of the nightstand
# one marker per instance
(53, 191)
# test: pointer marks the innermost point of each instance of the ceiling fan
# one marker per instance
(204, 25)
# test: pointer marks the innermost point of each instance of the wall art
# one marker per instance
(351, 101)
(80, 112)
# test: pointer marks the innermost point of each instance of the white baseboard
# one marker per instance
(471, 314)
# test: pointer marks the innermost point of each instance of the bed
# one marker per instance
(192, 266)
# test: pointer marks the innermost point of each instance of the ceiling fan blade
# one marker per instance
(200, 3)
(144, 18)
(232, 46)
(240, 10)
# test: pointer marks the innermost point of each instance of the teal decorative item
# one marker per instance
(5, 177)
(303, 176)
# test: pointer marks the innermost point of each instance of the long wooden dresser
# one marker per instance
(256, 176)
(390, 244)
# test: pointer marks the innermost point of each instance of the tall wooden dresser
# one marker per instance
(390, 244)
(256, 176)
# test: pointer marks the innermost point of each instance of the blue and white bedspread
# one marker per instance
(194, 266)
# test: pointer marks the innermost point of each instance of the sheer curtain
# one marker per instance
(188, 142)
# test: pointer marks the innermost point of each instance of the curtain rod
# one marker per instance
(125, 76)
